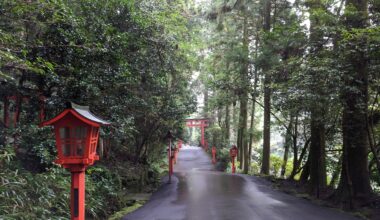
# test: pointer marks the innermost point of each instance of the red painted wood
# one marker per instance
(233, 165)
(87, 144)
(78, 183)
(180, 142)
(73, 112)
(233, 154)
(202, 136)
(201, 123)
(76, 142)
(213, 151)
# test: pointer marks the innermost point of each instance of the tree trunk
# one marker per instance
(205, 102)
(296, 162)
(227, 129)
(267, 92)
(354, 184)
(372, 142)
(288, 142)
(244, 97)
(317, 155)
(317, 164)
(252, 125)
(239, 141)
(305, 171)
(234, 119)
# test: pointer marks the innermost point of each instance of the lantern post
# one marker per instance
(233, 154)
(213, 151)
(176, 150)
(180, 142)
(76, 132)
(206, 145)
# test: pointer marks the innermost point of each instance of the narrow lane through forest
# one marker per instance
(198, 192)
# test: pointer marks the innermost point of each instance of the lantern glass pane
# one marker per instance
(80, 147)
(80, 137)
(64, 134)
(66, 148)
(80, 132)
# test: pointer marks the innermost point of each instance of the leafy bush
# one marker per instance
(28, 196)
(275, 164)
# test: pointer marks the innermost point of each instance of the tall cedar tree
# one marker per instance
(354, 185)
(267, 94)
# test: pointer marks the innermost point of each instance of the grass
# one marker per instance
(126, 210)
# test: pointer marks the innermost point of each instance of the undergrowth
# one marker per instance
(28, 195)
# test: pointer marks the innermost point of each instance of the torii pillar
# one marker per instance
(202, 136)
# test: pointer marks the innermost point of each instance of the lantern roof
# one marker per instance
(81, 112)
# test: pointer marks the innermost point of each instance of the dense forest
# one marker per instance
(307, 73)
(294, 84)
(128, 60)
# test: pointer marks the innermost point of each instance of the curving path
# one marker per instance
(198, 192)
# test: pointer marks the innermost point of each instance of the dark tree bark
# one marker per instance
(227, 128)
(305, 174)
(244, 98)
(252, 125)
(295, 149)
(267, 93)
(288, 142)
(371, 138)
(318, 179)
(354, 185)
(205, 102)
(234, 119)
(317, 163)
(251, 131)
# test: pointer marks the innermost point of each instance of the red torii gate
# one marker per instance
(201, 123)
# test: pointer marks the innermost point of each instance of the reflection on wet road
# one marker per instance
(198, 192)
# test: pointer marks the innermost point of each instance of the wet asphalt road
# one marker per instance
(198, 192)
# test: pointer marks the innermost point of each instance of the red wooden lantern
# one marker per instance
(233, 151)
(233, 154)
(76, 132)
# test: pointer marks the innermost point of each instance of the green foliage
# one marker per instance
(275, 164)
(214, 134)
(46, 195)
(126, 211)
(224, 159)
(130, 61)
(7, 154)
(34, 196)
